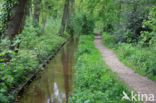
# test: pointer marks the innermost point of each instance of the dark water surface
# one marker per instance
(54, 84)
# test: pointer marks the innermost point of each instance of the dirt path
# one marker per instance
(135, 81)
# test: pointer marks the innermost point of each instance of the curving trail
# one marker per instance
(135, 81)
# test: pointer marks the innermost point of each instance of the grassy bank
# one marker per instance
(94, 82)
(141, 59)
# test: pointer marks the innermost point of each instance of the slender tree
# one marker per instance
(72, 6)
(44, 17)
(65, 17)
(37, 10)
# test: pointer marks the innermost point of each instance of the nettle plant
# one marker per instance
(5, 51)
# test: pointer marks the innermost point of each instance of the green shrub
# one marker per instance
(109, 40)
(52, 26)
(80, 23)
(148, 38)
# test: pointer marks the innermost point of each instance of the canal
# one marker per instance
(54, 84)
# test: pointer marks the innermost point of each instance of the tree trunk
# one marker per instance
(120, 12)
(37, 10)
(15, 23)
(43, 23)
(72, 6)
(44, 16)
(64, 18)
(30, 9)
(16, 20)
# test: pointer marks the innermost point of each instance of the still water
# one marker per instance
(54, 84)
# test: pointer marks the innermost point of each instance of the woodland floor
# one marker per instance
(135, 81)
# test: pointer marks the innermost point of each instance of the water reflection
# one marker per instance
(55, 83)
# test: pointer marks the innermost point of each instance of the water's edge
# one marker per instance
(19, 90)
(54, 84)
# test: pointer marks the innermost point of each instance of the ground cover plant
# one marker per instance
(142, 60)
(94, 82)
(131, 32)
(31, 30)
(34, 49)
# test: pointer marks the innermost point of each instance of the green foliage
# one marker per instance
(94, 82)
(52, 8)
(108, 39)
(149, 37)
(5, 14)
(107, 15)
(4, 49)
(52, 26)
(34, 49)
(141, 59)
(40, 44)
(123, 18)
(133, 22)
(81, 24)
(129, 21)
(32, 46)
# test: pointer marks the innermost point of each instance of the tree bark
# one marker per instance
(16, 20)
(44, 16)
(64, 18)
(120, 12)
(37, 10)
(30, 9)
(72, 6)
(43, 23)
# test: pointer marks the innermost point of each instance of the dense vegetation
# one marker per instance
(30, 30)
(133, 37)
(22, 54)
(94, 82)
(128, 26)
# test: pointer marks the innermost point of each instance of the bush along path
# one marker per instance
(93, 81)
(145, 88)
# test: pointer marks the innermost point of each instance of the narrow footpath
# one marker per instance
(135, 81)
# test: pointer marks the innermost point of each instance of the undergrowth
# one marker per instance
(141, 59)
(94, 82)
(35, 46)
